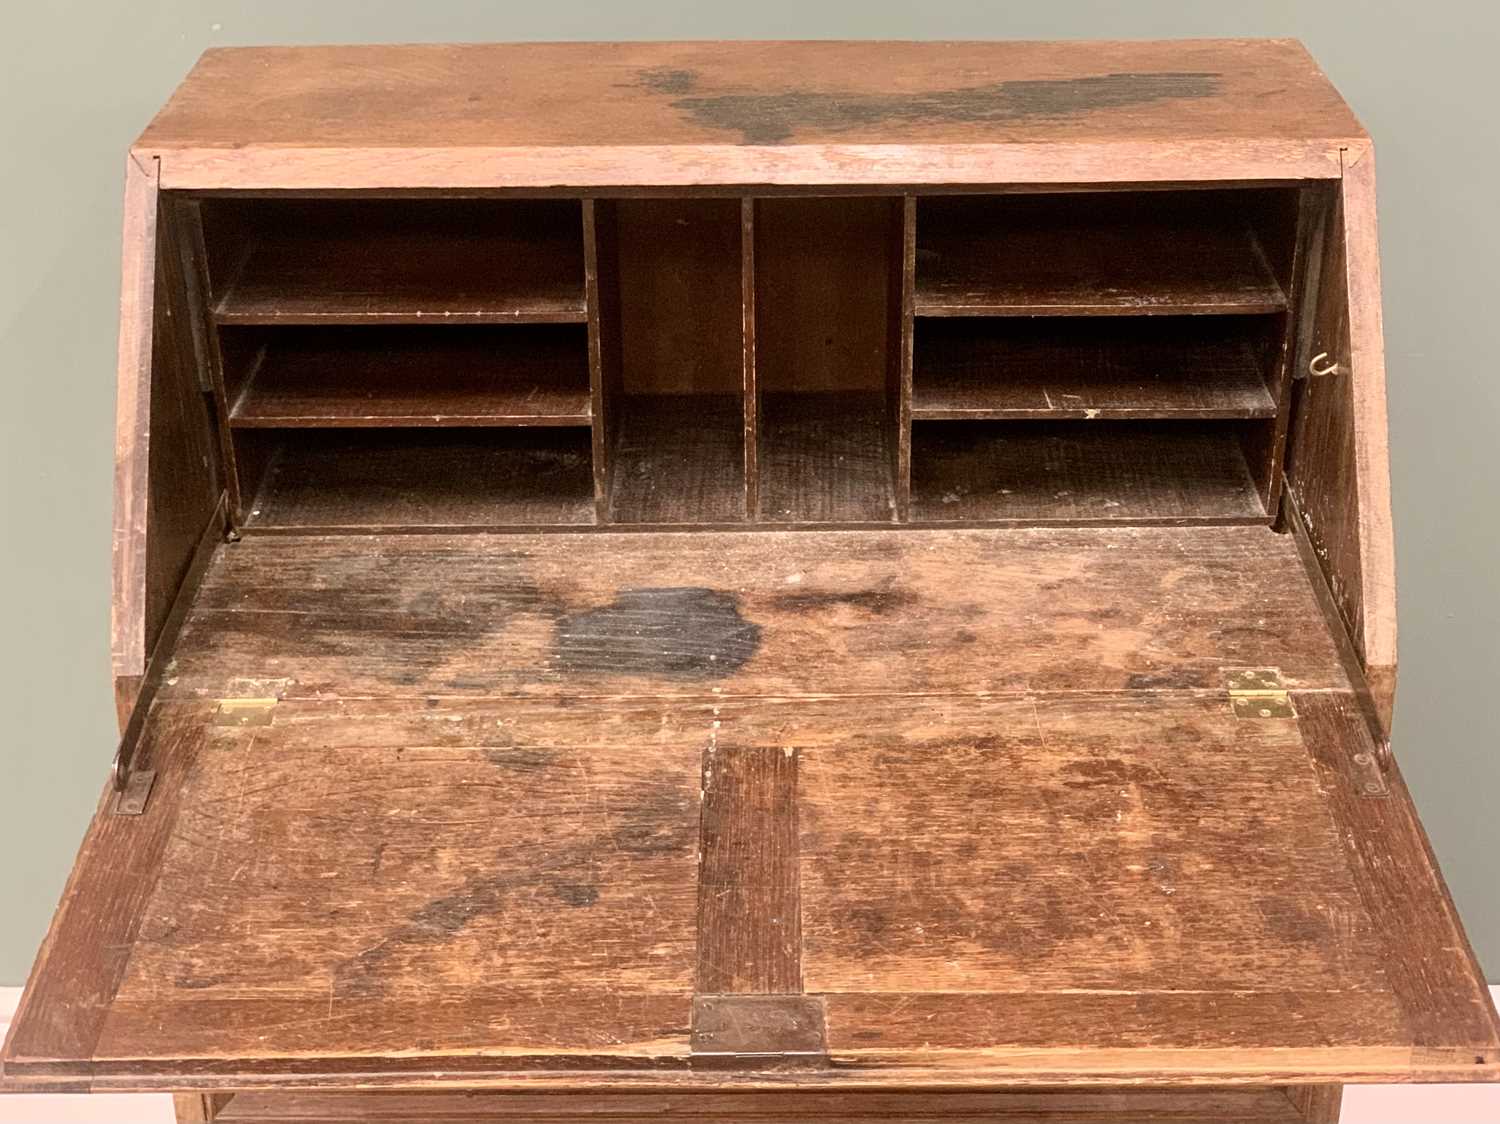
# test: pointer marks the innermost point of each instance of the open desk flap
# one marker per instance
(832, 807)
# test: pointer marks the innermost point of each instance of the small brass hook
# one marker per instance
(1318, 372)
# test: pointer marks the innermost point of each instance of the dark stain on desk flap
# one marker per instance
(680, 633)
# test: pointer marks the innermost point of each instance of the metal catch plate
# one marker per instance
(1370, 777)
(244, 712)
(1257, 692)
(131, 800)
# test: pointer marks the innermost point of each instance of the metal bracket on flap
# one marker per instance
(1257, 692)
(244, 712)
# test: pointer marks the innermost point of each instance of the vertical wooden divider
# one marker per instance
(902, 354)
(210, 356)
(1270, 451)
(601, 306)
(748, 378)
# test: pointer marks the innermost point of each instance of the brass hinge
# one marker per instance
(244, 712)
(1257, 692)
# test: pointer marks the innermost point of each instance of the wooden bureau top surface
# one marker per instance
(832, 113)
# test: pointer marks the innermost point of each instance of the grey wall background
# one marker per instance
(79, 81)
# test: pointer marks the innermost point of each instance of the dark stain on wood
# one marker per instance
(521, 757)
(681, 633)
(576, 894)
(775, 118)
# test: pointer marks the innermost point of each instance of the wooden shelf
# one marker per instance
(825, 458)
(1081, 472)
(1150, 253)
(351, 377)
(1172, 368)
(442, 262)
(406, 478)
(678, 459)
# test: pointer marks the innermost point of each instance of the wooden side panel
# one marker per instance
(681, 289)
(133, 418)
(183, 476)
(1339, 470)
(167, 479)
(823, 279)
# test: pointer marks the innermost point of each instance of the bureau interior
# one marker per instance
(820, 360)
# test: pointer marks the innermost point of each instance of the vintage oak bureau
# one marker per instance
(695, 581)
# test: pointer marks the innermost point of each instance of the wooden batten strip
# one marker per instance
(208, 349)
(749, 901)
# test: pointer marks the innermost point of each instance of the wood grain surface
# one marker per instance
(1074, 472)
(1338, 466)
(1080, 1106)
(806, 613)
(1104, 254)
(533, 825)
(446, 262)
(568, 805)
(358, 377)
(1170, 368)
(661, 114)
(129, 643)
(1166, 892)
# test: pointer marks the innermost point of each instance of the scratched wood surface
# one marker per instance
(605, 876)
(359, 377)
(550, 886)
(1135, 849)
(541, 891)
(1113, 254)
(448, 262)
(753, 614)
(1083, 1106)
(763, 113)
